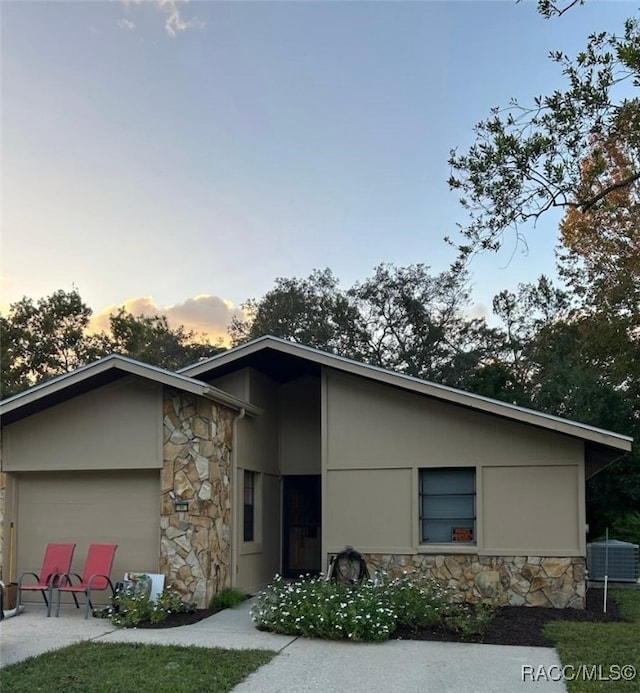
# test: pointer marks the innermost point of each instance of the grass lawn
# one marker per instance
(89, 667)
(603, 644)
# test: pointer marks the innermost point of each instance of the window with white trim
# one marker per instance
(447, 505)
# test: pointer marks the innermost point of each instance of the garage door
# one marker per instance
(120, 508)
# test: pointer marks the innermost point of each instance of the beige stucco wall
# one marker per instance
(236, 384)
(300, 446)
(257, 450)
(370, 510)
(117, 426)
(529, 482)
(532, 510)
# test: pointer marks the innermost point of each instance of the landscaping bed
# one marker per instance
(521, 625)
(511, 625)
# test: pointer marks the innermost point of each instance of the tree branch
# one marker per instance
(587, 204)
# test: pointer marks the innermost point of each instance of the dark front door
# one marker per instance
(301, 525)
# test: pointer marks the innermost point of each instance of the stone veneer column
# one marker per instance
(515, 580)
(195, 549)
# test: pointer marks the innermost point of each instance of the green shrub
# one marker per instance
(227, 598)
(627, 527)
(470, 619)
(418, 602)
(130, 608)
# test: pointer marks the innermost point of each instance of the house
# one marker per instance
(272, 456)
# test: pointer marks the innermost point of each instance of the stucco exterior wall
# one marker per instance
(259, 560)
(299, 421)
(118, 426)
(530, 506)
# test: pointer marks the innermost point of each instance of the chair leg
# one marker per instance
(88, 606)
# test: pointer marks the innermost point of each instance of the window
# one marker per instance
(447, 505)
(249, 505)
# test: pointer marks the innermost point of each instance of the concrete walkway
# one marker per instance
(305, 665)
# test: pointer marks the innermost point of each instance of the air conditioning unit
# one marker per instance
(619, 560)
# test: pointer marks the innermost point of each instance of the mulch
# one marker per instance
(185, 618)
(522, 625)
(512, 625)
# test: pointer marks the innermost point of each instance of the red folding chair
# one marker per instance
(96, 576)
(57, 562)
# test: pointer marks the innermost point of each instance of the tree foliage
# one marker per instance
(312, 311)
(151, 340)
(44, 338)
(600, 257)
(527, 158)
(402, 318)
(48, 337)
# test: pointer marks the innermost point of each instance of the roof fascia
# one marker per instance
(131, 367)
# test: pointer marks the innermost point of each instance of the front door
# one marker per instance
(301, 525)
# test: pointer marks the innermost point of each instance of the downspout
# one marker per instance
(234, 497)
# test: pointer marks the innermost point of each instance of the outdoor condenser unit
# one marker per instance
(623, 561)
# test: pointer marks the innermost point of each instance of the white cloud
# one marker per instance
(175, 22)
(205, 314)
(126, 24)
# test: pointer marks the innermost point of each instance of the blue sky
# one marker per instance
(178, 157)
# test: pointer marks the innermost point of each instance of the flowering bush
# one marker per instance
(419, 602)
(131, 607)
(315, 607)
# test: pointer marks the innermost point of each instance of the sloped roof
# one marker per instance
(102, 372)
(246, 353)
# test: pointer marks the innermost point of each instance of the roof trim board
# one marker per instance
(127, 366)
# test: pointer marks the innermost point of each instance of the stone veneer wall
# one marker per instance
(515, 580)
(195, 546)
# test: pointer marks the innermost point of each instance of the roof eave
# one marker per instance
(126, 366)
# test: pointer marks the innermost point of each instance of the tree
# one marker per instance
(49, 337)
(401, 318)
(312, 311)
(526, 159)
(44, 338)
(600, 258)
(151, 340)
(574, 376)
(523, 316)
(414, 322)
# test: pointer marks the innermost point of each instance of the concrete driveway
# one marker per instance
(306, 665)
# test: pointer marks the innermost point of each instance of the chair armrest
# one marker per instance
(65, 579)
(35, 575)
(95, 577)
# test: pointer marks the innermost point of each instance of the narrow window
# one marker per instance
(448, 505)
(249, 505)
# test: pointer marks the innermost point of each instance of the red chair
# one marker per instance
(57, 562)
(96, 576)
